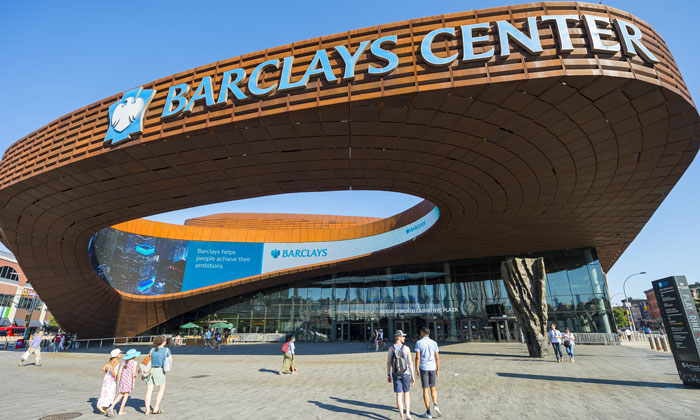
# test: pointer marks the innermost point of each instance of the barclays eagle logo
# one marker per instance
(275, 253)
(126, 115)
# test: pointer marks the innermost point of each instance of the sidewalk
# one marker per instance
(344, 381)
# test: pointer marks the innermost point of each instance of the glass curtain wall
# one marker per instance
(458, 300)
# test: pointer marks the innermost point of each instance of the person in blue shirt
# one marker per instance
(34, 347)
(159, 354)
(428, 362)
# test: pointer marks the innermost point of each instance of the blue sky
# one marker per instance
(61, 56)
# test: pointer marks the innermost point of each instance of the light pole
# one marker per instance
(624, 291)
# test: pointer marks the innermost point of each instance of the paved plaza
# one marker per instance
(345, 381)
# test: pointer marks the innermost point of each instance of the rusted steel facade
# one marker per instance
(520, 154)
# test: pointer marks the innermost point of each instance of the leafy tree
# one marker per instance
(53, 323)
(621, 317)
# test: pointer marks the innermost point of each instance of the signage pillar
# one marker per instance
(682, 323)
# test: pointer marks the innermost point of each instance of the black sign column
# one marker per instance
(682, 324)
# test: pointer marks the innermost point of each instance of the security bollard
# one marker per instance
(664, 342)
(651, 343)
(658, 343)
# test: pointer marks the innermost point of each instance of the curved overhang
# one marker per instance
(521, 150)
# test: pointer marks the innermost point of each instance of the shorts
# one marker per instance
(428, 378)
(157, 377)
(401, 383)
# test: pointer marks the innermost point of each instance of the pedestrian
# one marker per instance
(35, 348)
(555, 340)
(217, 339)
(428, 362)
(125, 380)
(628, 333)
(62, 346)
(380, 337)
(57, 342)
(569, 343)
(161, 362)
(207, 338)
(399, 369)
(109, 383)
(288, 349)
(375, 337)
(73, 341)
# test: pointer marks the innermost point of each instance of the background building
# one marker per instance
(17, 297)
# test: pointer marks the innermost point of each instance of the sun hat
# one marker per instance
(114, 353)
(399, 333)
(131, 354)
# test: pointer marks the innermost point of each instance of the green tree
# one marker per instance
(620, 317)
(53, 323)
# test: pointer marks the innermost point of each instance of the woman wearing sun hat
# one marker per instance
(109, 383)
(127, 373)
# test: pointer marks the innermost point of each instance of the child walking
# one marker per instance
(109, 383)
(125, 379)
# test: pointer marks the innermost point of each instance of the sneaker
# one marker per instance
(426, 415)
(437, 411)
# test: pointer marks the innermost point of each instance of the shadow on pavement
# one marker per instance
(590, 380)
(276, 372)
(135, 403)
(244, 349)
(359, 413)
(364, 404)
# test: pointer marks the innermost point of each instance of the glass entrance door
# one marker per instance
(357, 331)
(342, 331)
(437, 330)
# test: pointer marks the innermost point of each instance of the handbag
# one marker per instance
(145, 367)
(567, 343)
(168, 362)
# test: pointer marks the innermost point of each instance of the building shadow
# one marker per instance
(345, 410)
(242, 349)
(590, 380)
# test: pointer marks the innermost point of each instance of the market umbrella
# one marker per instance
(189, 327)
(222, 325)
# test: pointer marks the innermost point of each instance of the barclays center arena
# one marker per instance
(550, 130)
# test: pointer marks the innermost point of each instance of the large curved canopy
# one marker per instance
(540, 146)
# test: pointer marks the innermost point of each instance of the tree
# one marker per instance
(53, 323)
(620, 317)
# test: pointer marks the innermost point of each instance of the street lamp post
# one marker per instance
(624, 291)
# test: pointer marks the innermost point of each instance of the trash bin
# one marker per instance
(19, 344)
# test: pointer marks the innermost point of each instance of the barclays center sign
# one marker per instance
(604, 36)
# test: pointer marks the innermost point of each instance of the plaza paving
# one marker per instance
(344, 381)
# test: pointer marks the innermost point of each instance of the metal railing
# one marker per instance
(597, 338)
(184, 340)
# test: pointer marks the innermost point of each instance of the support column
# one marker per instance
(524, 279)
(452, 334)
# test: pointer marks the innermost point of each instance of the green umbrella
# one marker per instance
(222, 325)
(189, 325)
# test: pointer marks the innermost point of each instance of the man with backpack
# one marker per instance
(399, 369)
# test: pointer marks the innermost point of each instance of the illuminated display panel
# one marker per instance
(146, 265)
